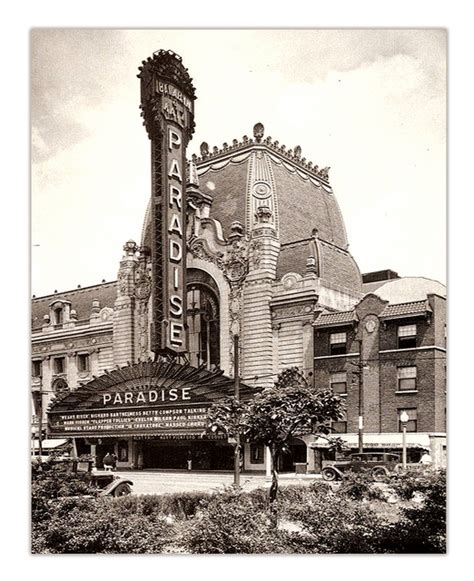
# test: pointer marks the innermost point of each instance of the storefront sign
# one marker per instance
(167, 102)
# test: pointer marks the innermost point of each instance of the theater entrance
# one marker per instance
(187, 455)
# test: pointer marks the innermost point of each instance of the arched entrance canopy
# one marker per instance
(163, 399)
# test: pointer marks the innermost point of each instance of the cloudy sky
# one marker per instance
(368, 103)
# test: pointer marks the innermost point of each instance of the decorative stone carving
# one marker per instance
(263, 215)
(200, 249)
(204, 148)
(258, 131)
(130, 248)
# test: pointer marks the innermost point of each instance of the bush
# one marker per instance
(336, 524)
(233, 525)
(52, 480)
(360, 486)
(405, 484)
(89, 525)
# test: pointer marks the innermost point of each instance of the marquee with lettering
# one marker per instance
(159, 399)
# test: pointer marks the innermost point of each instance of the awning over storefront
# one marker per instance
(50, 444)
(389, 440)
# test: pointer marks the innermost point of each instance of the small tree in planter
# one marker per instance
(290, 408)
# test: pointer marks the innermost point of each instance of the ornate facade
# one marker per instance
(267, 256)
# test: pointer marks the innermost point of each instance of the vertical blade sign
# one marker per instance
(167, 104)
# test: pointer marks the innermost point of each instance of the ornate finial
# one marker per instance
(204, 147)
(192, 174)
(258, 131)
(324, 173)
(95, 306)
(215, 150)
(298, 151)
(73, 315)
(130, 247)
(235, 142)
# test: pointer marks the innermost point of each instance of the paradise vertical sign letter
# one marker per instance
(167, 102)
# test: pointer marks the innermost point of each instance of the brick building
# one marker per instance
(266, 258)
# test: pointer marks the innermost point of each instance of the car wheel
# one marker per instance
(379, 475)
(122, 489)
(329, 474)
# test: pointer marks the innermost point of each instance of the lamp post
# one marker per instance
(237, 397)
(404, 420)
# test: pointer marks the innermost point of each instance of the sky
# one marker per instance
(371, 104)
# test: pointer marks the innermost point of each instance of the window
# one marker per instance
(256, 454)
(412, 419)
(406, 336)
(406, 378)
(59, 365)
(36, 368)
(340, 426)
(203, 326)
(58, 316)
(83, 362)
(338, 382)
(337, 343)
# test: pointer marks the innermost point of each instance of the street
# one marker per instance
(157, 482)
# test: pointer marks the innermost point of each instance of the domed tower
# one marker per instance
(265, 227)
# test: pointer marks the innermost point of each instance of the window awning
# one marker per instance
(389, 440)
(50, 444)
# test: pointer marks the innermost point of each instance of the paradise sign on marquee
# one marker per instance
(167, 103)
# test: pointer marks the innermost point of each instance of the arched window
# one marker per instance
(203, 322)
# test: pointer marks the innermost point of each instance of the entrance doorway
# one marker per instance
(185, 455)
(296, 453)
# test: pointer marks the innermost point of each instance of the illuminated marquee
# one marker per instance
(167, 102)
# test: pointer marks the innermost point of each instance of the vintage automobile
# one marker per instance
(379, 464)
(108, 483)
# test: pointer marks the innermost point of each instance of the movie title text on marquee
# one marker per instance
(164, 420)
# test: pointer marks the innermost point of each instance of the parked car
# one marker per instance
(379, 464)
(107, 482)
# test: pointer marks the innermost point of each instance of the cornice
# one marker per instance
(291, 159)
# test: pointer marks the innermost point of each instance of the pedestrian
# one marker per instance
(114, 461)
(108, 461)
(190, 461)
(426, 459)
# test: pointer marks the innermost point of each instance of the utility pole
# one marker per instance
(360, 374)
(40, 423)
(237, 397)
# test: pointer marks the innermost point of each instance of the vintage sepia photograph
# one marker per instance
(238, 291)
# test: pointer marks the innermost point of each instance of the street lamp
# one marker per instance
(404, 420)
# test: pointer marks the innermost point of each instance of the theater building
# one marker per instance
(246, 239)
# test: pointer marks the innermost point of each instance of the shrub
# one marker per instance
(360, 486)
(336, 524)
(89, 525)
(233, 525)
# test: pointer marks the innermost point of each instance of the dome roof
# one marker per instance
(296, 195)
(408, 289)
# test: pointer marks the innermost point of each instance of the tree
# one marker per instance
(289, 408)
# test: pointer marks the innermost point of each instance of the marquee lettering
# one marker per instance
(149, 396)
